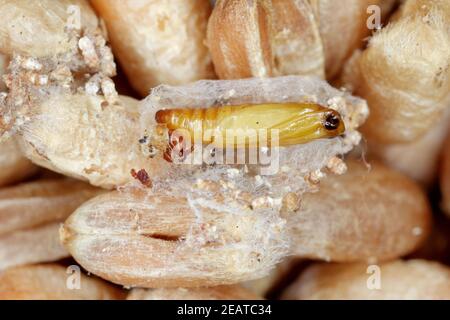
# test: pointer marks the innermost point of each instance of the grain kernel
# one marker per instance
(14, 167)
(166, 46)
(350, 218)
(264, 38)
(74, 135)
(405, 280)
(18, 33)
(48, 282)
(34, 203)
(30, 216)
(271, 38)
(406, 81)
(160, 240)
(33, 245)
(233, 292)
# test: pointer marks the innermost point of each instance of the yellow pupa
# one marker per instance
(295, 123)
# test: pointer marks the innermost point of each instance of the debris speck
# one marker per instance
(337, 166)
(31, 64)
(88, 51)
(233, 173)
(143, 177)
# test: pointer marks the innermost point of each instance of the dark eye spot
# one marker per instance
(332, 121)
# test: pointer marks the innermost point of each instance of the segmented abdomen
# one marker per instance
(193, 119)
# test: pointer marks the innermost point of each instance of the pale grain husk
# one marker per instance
(405, 280)
(233, 292)
(14, 166)
(158, 41)
(404, 74)
(30, 216)
(264, 38)
(136, 238)
(18, 33)
(211, 233)
(31, 204)
(72, 56)
(74, 135)
(418, 159)
(33, 245)
(343, 28)
(370, 213)
(48, 282)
